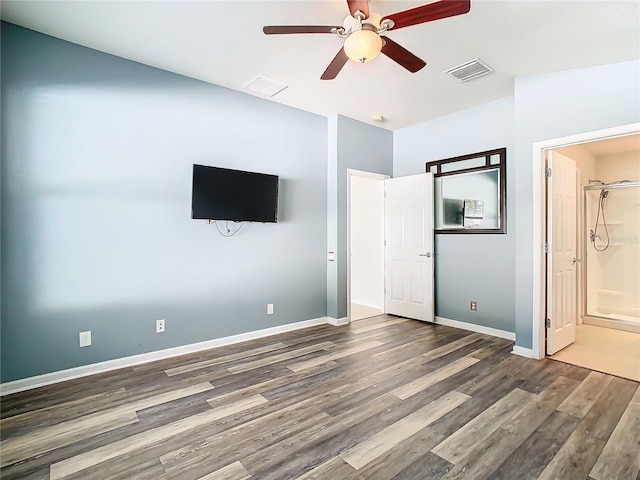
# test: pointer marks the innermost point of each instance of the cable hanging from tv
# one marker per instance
(229, 232)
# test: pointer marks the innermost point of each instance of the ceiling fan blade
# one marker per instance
(402, 56)
(291, 29)
(362, 5)
(429, 13)
(335, 66)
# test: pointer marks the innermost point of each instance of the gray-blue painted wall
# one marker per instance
(96, 184)
(552, 106)
(468, 267)
(352, 145)
(497, 270)
(97, 157)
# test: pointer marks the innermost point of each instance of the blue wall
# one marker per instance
(497, 270)
(468, 266)
(96, 186)
(355, 145)
(97, 154)
(552, 106)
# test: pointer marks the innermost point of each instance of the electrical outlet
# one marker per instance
(85, 339)
(160, 326)
(473, 306)
(270, 309)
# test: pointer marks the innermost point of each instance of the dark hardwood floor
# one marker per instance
(382, 398)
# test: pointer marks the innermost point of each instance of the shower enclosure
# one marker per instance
(612, 251)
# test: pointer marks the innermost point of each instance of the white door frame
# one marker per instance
(539, 220)
(375, 176)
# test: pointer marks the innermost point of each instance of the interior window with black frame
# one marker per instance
(470, 192)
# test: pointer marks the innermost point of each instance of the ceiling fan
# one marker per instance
(362, 31)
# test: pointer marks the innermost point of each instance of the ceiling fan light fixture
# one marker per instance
(363, 45)
(362, 30)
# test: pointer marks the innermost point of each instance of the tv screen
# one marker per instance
(223, 194)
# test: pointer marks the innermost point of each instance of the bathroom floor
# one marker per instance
(604, 349)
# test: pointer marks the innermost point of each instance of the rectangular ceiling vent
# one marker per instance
(264, 86)
(470, 70)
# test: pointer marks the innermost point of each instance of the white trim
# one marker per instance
(86, 370)
(494, 332)
(337, 322)
(523, 352)
(373, 176)
(539, 215)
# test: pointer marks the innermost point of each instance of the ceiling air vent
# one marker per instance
(264, 86)
(470, 70)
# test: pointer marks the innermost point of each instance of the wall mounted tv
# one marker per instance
(234, 195)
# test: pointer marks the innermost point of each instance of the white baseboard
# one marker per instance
(86, 370)
(494, 332)
(336, 322)
(523, 352)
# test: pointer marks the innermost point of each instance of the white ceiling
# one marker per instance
(613, 146)
(221, 42)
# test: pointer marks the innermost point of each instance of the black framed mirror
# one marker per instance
(470, 194)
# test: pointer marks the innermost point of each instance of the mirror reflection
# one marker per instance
(468, 200)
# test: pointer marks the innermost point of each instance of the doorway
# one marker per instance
(593, 318)
(365, 244)
(389, 245)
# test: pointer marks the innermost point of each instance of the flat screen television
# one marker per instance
(234, 195)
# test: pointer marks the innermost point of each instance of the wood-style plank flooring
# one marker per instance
(382, 398)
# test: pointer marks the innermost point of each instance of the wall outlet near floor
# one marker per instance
(85, 339)
(270, 309)
(473, 306)
(160, 326)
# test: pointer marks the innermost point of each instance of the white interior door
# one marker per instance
(562, 278)
(409, 246)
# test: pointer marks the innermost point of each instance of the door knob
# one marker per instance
(575, 260)
(428, 254)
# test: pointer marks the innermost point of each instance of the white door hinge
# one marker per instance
(546, 247)
(547, 171)
(547, 323)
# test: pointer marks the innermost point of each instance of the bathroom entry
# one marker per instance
(592, 274)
